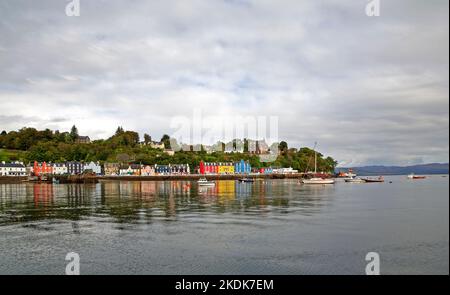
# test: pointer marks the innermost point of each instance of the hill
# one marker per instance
(432, 168)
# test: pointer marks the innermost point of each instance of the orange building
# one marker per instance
(42, 169)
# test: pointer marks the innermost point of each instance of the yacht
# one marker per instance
(317, 180)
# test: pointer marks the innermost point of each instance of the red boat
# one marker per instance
(412, 176)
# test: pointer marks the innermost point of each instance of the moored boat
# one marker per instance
(374, 180)
(317, 180)
(346, 175)
(354, 180)
(413, 176)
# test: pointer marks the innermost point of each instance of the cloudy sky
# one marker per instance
(369, 90)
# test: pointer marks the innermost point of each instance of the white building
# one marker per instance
(133, 169)
(289, 170)
(94, 167)
(157, 145)
(13, 169)
(59, 168)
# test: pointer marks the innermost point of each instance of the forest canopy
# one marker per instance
(30, 144)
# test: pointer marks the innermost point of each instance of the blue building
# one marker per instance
(162, 169)
(242, 167)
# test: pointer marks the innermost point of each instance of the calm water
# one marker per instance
(268, 227)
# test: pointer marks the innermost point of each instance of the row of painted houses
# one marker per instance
(116, 169)
(12, 169)
(76, 168)
(72, 168)
(241, 167)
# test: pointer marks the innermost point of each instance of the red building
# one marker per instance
(42, 169)
(209, 168)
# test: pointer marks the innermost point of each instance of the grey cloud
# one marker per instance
(370, 90)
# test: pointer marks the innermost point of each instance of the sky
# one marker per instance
(369, 90)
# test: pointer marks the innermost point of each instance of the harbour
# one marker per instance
(271, 226)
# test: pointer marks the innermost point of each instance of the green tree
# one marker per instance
(73, 133)
(147, 138)
(166, 140)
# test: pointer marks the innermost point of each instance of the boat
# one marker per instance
(354, 180)
(413, 176)
(246, 180)
(374, 180)
(346, 175)
(314, 179)
(205, 182)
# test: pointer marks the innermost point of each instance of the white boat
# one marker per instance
(205, 182)
(355, 180)
(317, 180)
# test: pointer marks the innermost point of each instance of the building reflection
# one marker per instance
(135, 202)
(43, 194)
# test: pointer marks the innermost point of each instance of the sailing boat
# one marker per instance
(317, 180)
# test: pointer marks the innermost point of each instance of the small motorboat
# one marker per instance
(374, 180)
(316, 180)
(413, 176)
(205, 182)
(354, 180)
(247, 180)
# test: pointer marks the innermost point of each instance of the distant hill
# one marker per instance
(433, 168)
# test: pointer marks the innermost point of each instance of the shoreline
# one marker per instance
(198, 176)
(190, 177)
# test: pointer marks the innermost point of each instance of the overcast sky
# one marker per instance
(369, 90)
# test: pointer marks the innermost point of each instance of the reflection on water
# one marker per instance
(265, 227)
(135, 201)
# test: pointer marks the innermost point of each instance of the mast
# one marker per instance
(315, 158)
(315, 162)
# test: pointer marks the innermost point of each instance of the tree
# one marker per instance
(73, 133)
(147, 138)
(166, 140)
(123, 158)
(283, 146)
(119, 130)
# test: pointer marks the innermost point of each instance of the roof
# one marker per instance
(57, 164)
(10, 165)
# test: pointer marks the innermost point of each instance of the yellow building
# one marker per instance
(226, 168)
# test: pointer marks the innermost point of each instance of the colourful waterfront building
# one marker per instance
(111, 169)
(42, 168)
(74, 168)
(148, 170)
(266, 170)
(226, 168)
(242, 167)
